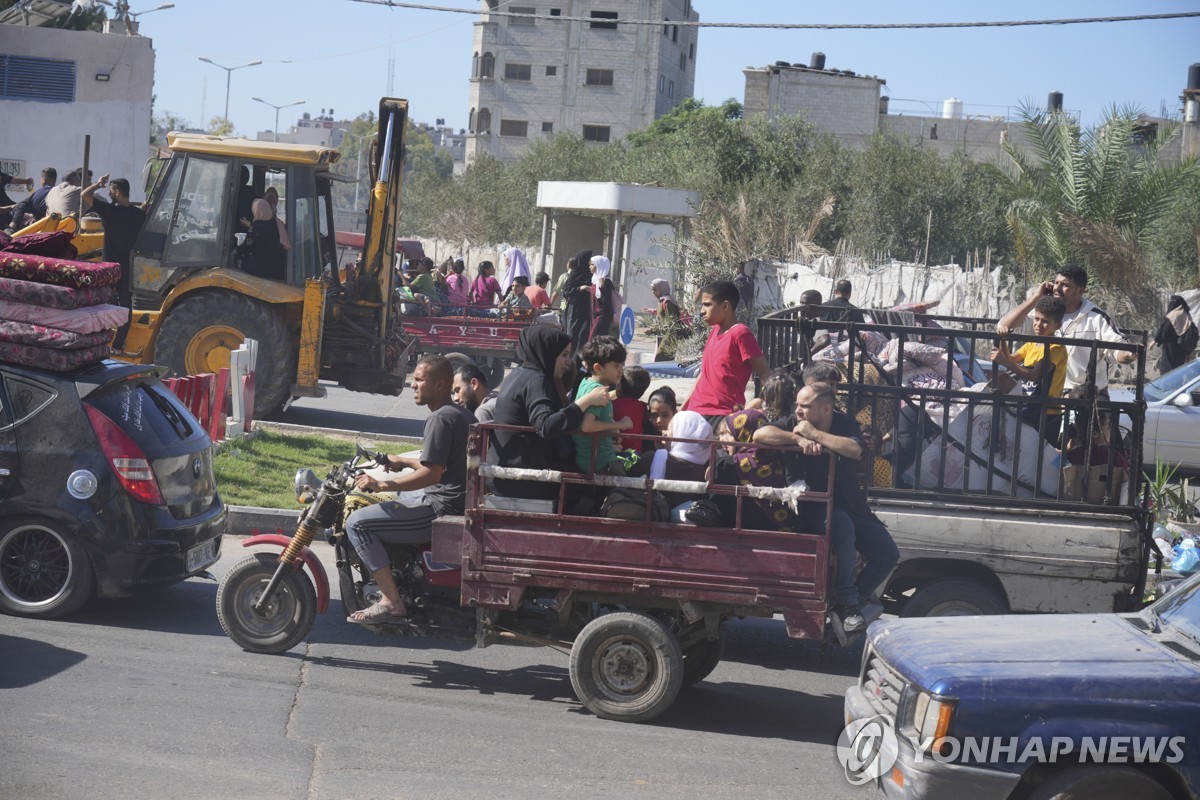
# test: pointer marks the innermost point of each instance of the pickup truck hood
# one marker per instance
(1043, 655)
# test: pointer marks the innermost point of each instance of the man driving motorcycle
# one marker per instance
(440, 470)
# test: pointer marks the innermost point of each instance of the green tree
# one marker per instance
(219, 126)
(1095, 196)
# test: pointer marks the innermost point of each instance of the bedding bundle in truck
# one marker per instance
(1001, 496)
(56, 312)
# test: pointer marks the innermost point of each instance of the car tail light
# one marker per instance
(130, 464)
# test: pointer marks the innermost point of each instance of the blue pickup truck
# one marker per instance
(1031, 708)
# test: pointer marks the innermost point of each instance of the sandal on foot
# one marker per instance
(376, 614)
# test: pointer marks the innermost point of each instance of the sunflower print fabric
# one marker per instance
(759, 467)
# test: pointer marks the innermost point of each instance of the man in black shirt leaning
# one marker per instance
(122, 224)
(824, 433)
(440, 471)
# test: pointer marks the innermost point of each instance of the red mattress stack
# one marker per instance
(55, 313)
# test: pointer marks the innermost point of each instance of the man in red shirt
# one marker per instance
(537, 295)
(731, 356)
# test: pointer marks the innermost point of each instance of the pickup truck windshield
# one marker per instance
(1181, 608)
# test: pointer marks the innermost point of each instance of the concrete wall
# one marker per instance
(642, 59)
(116, 113)
(846, 106)
(979, 138)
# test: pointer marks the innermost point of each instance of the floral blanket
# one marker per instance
(44, 294)
(55, 244)
(57, 271)
(31, 355)
(40, 335)
(89, 319)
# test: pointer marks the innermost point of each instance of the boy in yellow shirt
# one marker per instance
(1042, 374)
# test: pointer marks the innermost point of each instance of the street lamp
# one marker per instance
(275, 133)
(136, 14)
(362, 138)
(228, 76)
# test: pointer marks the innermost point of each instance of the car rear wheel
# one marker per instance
(953, 597)
(44, 572)
(1101, 783)
(200, 332)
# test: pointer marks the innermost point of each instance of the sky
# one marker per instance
(338, 53)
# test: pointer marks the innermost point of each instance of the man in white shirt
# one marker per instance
(1083, 320)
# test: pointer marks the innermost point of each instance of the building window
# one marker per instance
(33, 78)
(547, 127)
(514, 127)
(674, 33)
(666, 29)
(518, 72)
(670, 88)
(556, 12)
(662, 83)
(604, 20)
(596, 133)
(551, 72)
(471, 121)
(475, 65)
(682, 59)
(526, 21)
(487, 67)
(692, 51)
(483, 122)
(599, 77)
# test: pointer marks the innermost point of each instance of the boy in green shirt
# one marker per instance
(604, 359)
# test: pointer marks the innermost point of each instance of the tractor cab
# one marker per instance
(200, 209)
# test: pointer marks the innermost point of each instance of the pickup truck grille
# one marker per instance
(882, 685)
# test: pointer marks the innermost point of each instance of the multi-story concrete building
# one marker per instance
(572, 66)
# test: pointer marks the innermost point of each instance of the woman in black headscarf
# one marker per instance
(577, 295)
(1176, 335)
(533, 395)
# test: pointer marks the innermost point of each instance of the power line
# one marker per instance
(792, 25)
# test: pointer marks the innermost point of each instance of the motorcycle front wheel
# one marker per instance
(285, 621)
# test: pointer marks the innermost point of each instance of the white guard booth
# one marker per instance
(634, 225)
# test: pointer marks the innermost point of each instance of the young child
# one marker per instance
(663, 408)
(1042, 374)
(634, 383)
(731, 356)
(604, 360)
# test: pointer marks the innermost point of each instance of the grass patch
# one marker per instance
(258, 470)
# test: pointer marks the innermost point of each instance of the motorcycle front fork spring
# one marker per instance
(303, 538)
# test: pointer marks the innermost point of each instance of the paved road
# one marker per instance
(147, 698)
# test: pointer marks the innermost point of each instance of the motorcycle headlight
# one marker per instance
(306, 482)
(932, 717)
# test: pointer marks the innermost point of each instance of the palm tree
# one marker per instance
(1092, 196)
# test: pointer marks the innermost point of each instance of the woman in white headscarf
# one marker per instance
(602, 292)
(514, 265)
(684, 461)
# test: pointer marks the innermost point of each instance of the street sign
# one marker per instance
(628, 325)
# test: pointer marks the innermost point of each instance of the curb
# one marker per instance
(335, 433)
(243, 520)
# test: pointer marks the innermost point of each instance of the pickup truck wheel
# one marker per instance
(1101, 783)
(200, 332)
(701, 658)
(626, 666)
(953, 597)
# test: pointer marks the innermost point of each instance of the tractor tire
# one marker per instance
(201, 331)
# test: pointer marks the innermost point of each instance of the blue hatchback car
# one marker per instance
(106, 487)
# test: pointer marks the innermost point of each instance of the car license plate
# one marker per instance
(202, 555)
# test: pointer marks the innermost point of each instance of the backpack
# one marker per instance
(630, 504)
